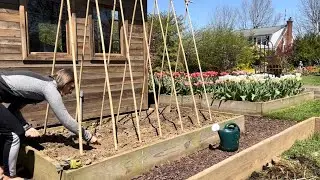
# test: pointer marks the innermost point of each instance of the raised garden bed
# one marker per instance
(301, 161)
(263, 140)
(133, 157)
(240, 107)
(257, 129)
(253, 158)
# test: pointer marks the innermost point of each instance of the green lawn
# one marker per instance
(311, 80)
(299, 112)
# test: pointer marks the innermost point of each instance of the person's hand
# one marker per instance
(94, 140)
(32, 133)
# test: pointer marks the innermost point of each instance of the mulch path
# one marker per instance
(257, 129)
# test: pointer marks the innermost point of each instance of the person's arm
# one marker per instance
(54, 99)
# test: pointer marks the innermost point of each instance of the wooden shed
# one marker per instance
(27, 38)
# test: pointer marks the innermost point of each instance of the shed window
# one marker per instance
(106, 20)
(43, 17)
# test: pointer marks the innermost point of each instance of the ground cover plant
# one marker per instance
(302, 161)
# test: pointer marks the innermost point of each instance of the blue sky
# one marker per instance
(201, 10)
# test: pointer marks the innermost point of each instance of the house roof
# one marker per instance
(260, 31)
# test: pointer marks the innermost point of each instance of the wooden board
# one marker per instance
(9, 25)
(10, 49)
(42, 166)
(9, 17)
(9, 33)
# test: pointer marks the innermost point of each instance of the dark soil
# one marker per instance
(59, 145)
(257, 129)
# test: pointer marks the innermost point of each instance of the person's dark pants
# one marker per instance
(11, 132)
(10, 145)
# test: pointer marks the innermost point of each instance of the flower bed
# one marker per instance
(238, 93)
(239, 107)
(238, 87)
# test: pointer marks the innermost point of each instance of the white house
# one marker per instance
(278, 38)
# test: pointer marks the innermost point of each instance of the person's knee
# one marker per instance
(15, 140)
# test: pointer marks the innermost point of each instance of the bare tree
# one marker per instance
(224, 17)
(310, 15)
(276, 19)
(257, 13)
(243, 15)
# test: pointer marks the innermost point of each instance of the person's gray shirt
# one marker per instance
(25, 87)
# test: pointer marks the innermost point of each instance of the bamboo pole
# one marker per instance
(150, 66)
(110, 44)
(83, 47)
(125, 64)
(144, 77)
(164, 48)
(167, 54)
(84, 42)
(75, 78)
(186, 63)
(176, 65)
(175, 70)
(130, 70)
(54, 62)
(107, 74)
(198, 59)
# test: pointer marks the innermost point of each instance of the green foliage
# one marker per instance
(306, 148)
(219, 49)
(298, 113)
(256, 91)
(172, 40)
(222, 50)
(307, 50)
(47, 35)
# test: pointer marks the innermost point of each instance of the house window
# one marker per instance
(106, 20)
(43, 17)
(263, 40)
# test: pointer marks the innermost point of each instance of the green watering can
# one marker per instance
(229, 137)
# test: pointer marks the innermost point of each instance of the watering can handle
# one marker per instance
(231, 124)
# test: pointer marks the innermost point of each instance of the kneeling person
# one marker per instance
(20, 88)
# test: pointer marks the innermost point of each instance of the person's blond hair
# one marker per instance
(63, 77)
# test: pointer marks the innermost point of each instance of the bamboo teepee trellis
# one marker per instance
(128, 62)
